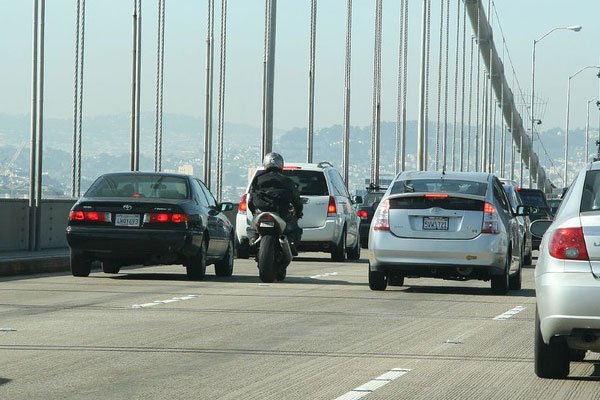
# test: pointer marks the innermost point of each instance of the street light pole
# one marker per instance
(567, 122)
(576, 28)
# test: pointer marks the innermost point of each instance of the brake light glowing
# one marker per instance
(243, 206)
(519, 189)
(568, 244)
(362, 214)
(491, 223)
(90, 216)
(136, 195)
(436, 196)
(331, 208)
(165, 217)
(291, 167)
(381, 219)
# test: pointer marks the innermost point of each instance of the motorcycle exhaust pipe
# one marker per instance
(285, 246)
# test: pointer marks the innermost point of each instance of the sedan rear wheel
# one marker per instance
(196, 266)
(551, 360)
(241, 249)
(377, 280)
(80, 264)
(224, 267)
(111, 267)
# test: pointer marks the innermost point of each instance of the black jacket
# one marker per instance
(272, 191)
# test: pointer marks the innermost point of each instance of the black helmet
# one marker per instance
(273, 160)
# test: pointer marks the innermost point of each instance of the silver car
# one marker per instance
(567, 279)
(455, 225)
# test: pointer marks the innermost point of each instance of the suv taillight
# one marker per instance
(490, 219)
(381, 219)
(331, 208)
(90, 216)
(568, 244)
(243, 206)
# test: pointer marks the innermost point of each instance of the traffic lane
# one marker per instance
(254, 350)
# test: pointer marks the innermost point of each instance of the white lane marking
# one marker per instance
(323, 275)
(158, 302)
(509, 313)
(8, 330)
(374, 384)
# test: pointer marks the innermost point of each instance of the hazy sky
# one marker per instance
(108, 57)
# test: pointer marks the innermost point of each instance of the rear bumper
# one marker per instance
(132, 243)
(567, 302)
(487, 252)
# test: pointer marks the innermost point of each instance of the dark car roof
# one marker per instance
(173, 174)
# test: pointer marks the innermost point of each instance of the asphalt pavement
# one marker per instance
(150, 333)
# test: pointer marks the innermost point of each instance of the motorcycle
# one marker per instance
(274, 251)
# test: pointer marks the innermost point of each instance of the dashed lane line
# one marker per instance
(374, 384)
(509, 313)
(159, 302)
(323, 275)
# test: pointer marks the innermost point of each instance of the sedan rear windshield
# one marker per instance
(129, 185)
(309, 183)
(533, 197)
(440, 186)
(590, 199)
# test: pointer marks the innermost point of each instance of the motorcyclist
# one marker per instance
(272, 191)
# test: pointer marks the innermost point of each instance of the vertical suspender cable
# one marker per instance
(484, 118)
(33, 128)
(427, 67)
(462, 108)
(80, 107)
(470, 113)
(40, 126)
(347, 65)
(311, 80)
(477, 93)
(439, 89)
(160, 59)
(269, 75)
(75, 103)
(404, 86)
(138, 76)
(399, 94)
(375, 132)
(159, 9)
(445, 145)
(490, 94)
(208, 95)
(223, 54)
(162, 72)
(456, 81)
(421, 160)
(134, 34)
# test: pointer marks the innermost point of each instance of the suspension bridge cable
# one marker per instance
(222, 66)
(80, 116)
(404, 85)
(462, 109)
(470, 113)
(456, 81)
(445, 143)
(75, 100)
(439, 88)
(399, 94)
(156, 140)
(427, 65)
(162, 80)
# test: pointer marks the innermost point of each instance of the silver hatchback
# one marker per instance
(455, 225)
(567, 279)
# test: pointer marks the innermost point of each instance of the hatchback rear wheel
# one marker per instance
(500, 283)
(515, 281)
(377, 280)
(551, 360)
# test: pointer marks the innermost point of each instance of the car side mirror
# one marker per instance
(226, 206)
(526, 210)
(357, 199)
(539, 227)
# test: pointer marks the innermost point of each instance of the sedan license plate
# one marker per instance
(127, 220)
(435, 223)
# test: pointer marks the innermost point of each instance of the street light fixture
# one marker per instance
(567, 122)
(575, 28)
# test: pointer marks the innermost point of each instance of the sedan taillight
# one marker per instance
(90, 216)
(362, 214)
(568, 244)
(165, 217)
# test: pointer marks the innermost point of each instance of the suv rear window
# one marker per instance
(533, 197)
(590, 199)
(309, 183)
(130, 185)
(440, 186)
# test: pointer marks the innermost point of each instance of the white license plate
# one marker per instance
(435, 223)
(267, 224)
(127, 220)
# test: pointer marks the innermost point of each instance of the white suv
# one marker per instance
(330, 223)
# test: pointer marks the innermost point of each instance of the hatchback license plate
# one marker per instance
(127, 220)
(435, 223)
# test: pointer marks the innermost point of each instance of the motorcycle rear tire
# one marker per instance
(266, 259)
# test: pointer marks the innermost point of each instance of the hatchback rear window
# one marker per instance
(590, 199)
(129, 185)
(309, 183)
(447, 203)
(440, 186)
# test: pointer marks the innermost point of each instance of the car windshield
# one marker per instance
(590, 199)
(309, 183)
(371, 198)
(134, 185)
(440, 186)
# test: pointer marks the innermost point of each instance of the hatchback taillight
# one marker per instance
(362, 214)
(90, 216)
(381, 219)
(491, 221)
(243, 206)
(165, 217)
(568, 244)
(331, 208)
